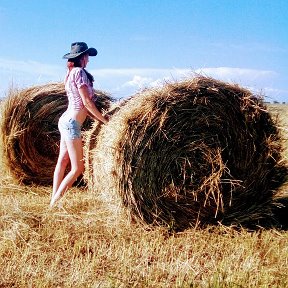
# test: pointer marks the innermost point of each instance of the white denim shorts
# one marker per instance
(70, 129)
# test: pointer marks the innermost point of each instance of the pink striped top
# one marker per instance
(77, 78)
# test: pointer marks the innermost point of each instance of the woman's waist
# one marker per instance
(78, 115)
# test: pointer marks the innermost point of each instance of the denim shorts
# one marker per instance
(70, 129)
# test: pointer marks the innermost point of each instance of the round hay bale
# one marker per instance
(190, 153)
(29, 126)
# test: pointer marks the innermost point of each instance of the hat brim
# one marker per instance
(91, 52)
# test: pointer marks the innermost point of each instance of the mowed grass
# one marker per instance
(81, 243)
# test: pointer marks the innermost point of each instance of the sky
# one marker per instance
(145, 43)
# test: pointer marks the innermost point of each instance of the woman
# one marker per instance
(79, 89)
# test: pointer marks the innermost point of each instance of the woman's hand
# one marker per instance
(90, 106)
(107, 117)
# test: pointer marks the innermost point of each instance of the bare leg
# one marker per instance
(75, 151)
(62, 162)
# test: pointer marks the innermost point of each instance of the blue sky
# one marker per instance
(143, 43)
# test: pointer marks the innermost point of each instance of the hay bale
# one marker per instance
(29, 126)
(190, 153)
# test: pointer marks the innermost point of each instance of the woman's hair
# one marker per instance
(76, 62)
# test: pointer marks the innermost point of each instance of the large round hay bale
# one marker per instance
(29, 130)
(190, 153)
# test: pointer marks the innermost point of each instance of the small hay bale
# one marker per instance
(29, 126)
(190, 153)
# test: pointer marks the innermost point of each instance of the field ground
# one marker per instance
(82, 244)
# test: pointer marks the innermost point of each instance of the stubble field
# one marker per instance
(80, 244)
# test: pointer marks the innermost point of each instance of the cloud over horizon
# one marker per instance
(126, 81)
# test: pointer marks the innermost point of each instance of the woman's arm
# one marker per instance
(90, 106)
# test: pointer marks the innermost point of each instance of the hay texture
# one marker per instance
(29, 130)
(90, 137)
(189, 153)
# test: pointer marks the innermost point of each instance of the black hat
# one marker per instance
(78, 48)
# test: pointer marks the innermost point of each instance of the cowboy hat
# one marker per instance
(79, 48)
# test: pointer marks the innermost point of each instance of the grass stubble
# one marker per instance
(81, 244)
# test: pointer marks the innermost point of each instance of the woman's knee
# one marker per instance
(77, 170)
(63, 160)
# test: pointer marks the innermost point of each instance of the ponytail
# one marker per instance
(89, 76)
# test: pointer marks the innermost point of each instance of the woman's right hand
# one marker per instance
(107, 118)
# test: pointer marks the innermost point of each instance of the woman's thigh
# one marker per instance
(75, 151)
(63, 152)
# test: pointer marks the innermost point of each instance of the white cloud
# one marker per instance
(127, 81)
(138, 82)
(30, 67)
(123, 81)
(236, 74)
(27, 73)
(136, 71)
(261, 82)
